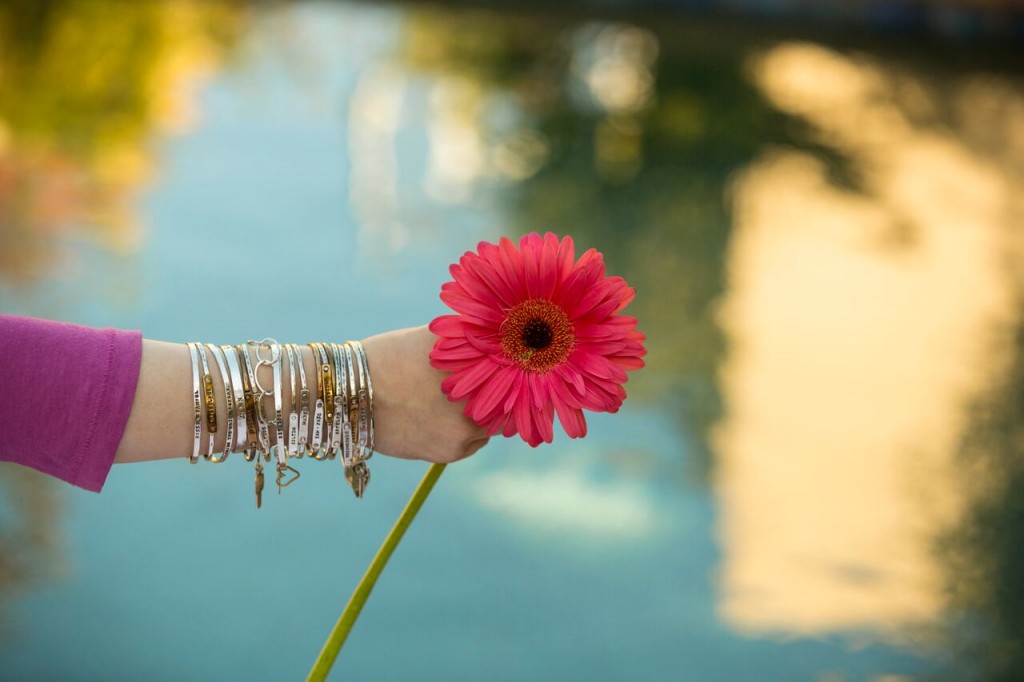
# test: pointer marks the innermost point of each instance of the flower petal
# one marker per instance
(517, 387)
(544, 418)
(572, 377)
(564, 258)
(512, 263)
(486, 275)
(467, 380)
(524, 419)
(597, 366)
(548, 266)
(448, 325)
(531, 248)
(571, 419)
(471, 307)
(492, 393)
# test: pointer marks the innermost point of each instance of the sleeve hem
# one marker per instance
(92, 462)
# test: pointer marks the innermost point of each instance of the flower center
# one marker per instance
(537, 335)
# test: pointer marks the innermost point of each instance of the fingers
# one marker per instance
(472, 448)
(414, 418)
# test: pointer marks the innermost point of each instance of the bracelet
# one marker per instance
(210, 401)
(293, 418)
(316, 447)
(238, 393)
(196, 403)
(263, 430)
(275, 364)
(327, 391)
(342, 414)
(358, 473)
(364, 372)
(303, 406)
(276, 361)
(257, 427)
(252, 437)
(229, 398)
(351, 409)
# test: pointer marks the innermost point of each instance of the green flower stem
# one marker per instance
(355, 603)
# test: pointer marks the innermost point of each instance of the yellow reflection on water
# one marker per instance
(85, 87)
(862, 324)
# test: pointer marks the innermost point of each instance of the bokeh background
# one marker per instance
(818, 477)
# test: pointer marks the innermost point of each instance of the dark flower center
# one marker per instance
(537, 334)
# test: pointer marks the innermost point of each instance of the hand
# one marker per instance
(413, 419)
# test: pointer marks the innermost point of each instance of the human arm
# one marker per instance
(72, 397)
(414, 420)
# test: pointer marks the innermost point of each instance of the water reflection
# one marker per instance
(985, 551)
(824, 243)
(626, 139)
(30, 536)
(86, 87)
(864, 322)
(861, 268)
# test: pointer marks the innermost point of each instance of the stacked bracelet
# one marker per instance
(341, 400)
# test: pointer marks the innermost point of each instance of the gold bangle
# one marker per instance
(221, 361)
(209, 399)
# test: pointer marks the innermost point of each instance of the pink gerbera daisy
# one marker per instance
(537, 333)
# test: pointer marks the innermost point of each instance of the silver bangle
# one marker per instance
(263, 432)
(275, 364)
(236, 387)
(351, 409)
(365, 399)
(340, 426)
(303, 405)
(197, 432)
(293, 418)
(229, 397)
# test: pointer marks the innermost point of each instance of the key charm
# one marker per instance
(259, 484)
(358, 476)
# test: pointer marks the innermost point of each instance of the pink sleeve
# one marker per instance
(65, 395)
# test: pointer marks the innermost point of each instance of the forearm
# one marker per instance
(413, 418)
(160, 425)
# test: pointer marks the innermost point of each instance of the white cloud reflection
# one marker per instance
(568, 500)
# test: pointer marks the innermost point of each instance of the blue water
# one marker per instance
(585, 560)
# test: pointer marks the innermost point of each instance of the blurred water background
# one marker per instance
(818, 477)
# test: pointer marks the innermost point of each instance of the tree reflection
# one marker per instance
(625, 137)
(985, 554)
(85, 86)
(629, 137)
(29, 531)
